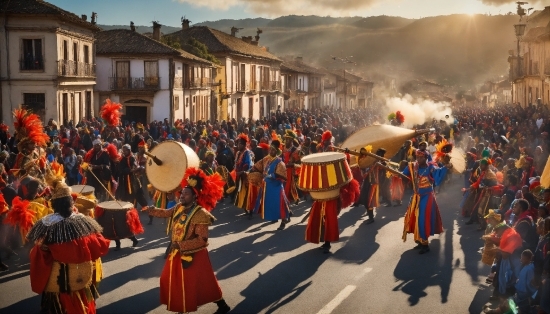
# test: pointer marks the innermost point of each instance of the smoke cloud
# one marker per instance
(287, 7)
(419, 111)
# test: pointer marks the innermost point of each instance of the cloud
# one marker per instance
(283, 7)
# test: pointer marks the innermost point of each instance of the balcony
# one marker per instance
(275, 85)
(178, 82)
(242, 86)
(200, 82)
(352, 91)
(134, 83)
(69, 68)
(31, 63)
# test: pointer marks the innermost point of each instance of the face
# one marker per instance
(288, 141)
(241, 146)
(422, 146)
(483, 166)
(421, 159)
(272, 151)
(125, 151)
(516, 209)
(97, 148)
(209, 158)
(187, 197)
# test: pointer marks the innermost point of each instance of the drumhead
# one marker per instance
(83, 189)
(116, 205)
(176, 158)
(322, 158)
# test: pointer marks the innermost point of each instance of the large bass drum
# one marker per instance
(175, 158)
(323, 174)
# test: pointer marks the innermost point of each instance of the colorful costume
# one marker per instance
(64, 263)
(423, 218)
(291, 156)
(187, 280)
(272, 203)
(243, 163)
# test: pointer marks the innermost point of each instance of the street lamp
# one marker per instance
(520, 30)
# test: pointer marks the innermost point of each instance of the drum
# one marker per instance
(175, 158)
(255, 178)
(229, 182)
(119, 219)
(76, 276)
(323, 174)
(83, 190)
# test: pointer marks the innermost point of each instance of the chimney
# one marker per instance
(258, 32)
(84, 17)
(185, 23)
(156, 30)
(94, 17)
(234, 31)
(132, 27)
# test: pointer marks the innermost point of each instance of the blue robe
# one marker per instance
(272, 202)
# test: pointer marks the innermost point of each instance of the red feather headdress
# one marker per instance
(243, 137)
(112, 151)
(29, 127)
(110, 112)
(327, 136)
(399, 117)
(208, 189)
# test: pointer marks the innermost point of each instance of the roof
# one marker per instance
(345, 75)
(220, 42)
(300, 67)
(534, 33)
(125, 41)
(39, 7)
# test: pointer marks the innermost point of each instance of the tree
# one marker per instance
(200, 50)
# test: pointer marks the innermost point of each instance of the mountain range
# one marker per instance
(455, 50)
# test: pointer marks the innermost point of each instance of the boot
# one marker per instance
(425, 249)
(117, 247)
(370, 213)
(326, 247)
(134, 241)
(418, 245)
(223, 308)
(150, 220)
(283, 224)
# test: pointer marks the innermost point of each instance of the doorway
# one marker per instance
(136, 114)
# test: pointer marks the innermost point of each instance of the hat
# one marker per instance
(208, 189)
(58, 186)
(263, 146)
(424, 153)
(29, 129)
(96, 142)
(291, 135)
(142, 143)
(327, 136)
(492, 214)
(209, 152)
(277, 145)
(243, 138)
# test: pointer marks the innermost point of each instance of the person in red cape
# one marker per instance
(324, 213)
(326, 143)
(64, 262)
(188, 280)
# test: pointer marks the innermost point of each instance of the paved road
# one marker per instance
(262, 270)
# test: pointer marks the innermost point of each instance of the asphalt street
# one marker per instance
(262, 270)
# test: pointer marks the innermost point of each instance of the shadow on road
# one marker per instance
(147, 300)
(281, 284)
(28, 306)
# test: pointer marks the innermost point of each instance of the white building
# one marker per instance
(46, 61)
(151, 80)
(303, 84)
(249, 74)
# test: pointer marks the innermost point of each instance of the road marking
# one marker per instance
(337, 300)
(363, 273)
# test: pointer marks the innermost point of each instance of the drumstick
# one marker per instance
(106, 189)
(155, 158)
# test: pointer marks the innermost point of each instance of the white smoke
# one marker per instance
(419, 111)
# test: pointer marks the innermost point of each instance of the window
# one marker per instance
(151, 73)
(31, 58)
(65, 108)
(75, 52)
(36, 103)
(176, 102)
(89, 105)
(86, 54)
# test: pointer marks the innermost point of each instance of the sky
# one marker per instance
(169, 12)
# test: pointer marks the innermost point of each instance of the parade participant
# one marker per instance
(423, 218)
(64, 262)
(129, 186)
(225, 156)
(305, 148)
(423, 146)
(29, 135)
(188, 280)
(372, 178)
(396, 186)
(291, 156)
(98, 169)
(243, 164)
(272, 203)
(326, 143)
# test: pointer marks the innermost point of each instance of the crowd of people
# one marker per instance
(506, 149)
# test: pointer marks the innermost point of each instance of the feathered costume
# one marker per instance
(64, 262)
(29, 130)
(187, 280)
(111, 112)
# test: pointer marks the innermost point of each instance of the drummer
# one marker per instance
(130, 189)
(99, 169)
(291, 156)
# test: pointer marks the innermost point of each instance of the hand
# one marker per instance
(346, 150)
(449, 166)
(175, 246)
